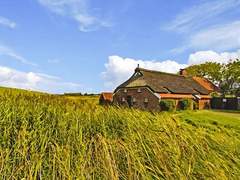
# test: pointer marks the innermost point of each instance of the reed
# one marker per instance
(55, 137)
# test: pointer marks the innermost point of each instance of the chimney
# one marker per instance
(137, 68)
(183, 72)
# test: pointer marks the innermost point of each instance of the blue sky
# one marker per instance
(93, 45)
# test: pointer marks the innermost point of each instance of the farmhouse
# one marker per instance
(146, 88)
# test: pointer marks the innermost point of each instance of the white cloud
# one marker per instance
(77, 10)
(219, 38)
(201, 14)
(222, 37)
(7, 22)
(119, 69)
(30, 80)
(34, 81)
(211, 56)
(5, 51)
(208, 25)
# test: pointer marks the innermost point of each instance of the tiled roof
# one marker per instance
(181, 96)
(206, 83)
(161, 82)
(107, 96)
(175, 96)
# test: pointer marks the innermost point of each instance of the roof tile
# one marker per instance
(161, 82)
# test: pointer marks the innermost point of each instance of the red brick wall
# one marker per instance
(153, 101)
(204, 103)
(152, 104)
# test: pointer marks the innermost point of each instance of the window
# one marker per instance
(145, 105)
(130, 101)
(134, 100)
(137, 74)
(145, 102)
(139, 90)
(125, 90)
(123, 99)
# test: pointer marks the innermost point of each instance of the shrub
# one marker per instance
(195, 105)
(185, 104)
(167, 105)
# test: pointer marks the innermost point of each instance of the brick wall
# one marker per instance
(204, 104)
(138, 98)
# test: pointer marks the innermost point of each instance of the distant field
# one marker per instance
(58, 137)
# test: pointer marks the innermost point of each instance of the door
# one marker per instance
(129, 101)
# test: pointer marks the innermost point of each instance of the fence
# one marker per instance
(225, 103)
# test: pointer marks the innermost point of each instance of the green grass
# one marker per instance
(229, 119)
(55, 137)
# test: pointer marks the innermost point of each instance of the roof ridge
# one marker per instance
(155, 71)
(159, 81)
(131, 78)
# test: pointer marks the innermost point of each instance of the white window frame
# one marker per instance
(134, 100)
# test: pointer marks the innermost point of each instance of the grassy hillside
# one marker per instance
(56, 137)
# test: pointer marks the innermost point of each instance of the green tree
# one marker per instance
(209, 70)
(231, 77)
(225, 76)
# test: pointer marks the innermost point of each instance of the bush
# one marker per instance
(185, 104)
(167, 105)
(195, 105)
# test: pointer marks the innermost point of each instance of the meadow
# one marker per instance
(58, 137)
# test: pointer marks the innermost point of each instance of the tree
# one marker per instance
(209, 70)
(225, 76)
(231, 76)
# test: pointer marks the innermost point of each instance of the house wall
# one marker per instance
(153, 101)
(152, 104)
(177, 103)
(204, 104)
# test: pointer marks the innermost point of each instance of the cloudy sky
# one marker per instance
(93, 45)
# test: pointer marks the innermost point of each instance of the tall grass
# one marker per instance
(53, 137)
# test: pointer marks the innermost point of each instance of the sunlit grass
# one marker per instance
(230, 119)
(55, 137)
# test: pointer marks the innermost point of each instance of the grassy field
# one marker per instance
(228, 119)
(55, 137)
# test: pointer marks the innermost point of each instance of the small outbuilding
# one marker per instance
(106, 98)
